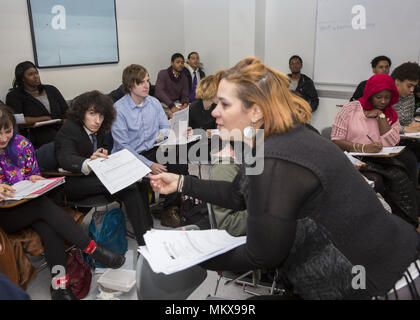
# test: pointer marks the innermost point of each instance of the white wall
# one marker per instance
(206, 31)
(141, 24)
(290, 29)
(221, 31)
(150, 31)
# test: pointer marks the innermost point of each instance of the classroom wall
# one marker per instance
(140, 26)
(150, 31)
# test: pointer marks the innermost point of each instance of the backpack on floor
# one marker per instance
(109, 230)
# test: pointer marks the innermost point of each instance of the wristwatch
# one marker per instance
(381, 116)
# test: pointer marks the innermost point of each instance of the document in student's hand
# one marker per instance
(170, 251)
(26, 189)
(178, 129)
(386, 151)
(120, 170)
(20, 118)
(47, 122)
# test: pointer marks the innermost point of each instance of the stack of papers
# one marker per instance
(28, 189)
(170, 251)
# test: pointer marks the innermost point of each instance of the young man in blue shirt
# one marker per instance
(141, 123)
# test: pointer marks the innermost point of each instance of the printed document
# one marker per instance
(352, 159)
(170, 251)
(47, 122)
(28, 189)
(384, 151)
(120, 170)
(20, 119)
(178, 129)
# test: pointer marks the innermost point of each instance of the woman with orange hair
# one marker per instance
(308, 207)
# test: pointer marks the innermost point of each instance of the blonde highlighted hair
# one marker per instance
(259, 84)
(207, 88)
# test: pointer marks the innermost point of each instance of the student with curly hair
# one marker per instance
(82, 138)
(53, 224)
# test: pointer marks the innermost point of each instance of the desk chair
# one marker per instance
(241, 279)
(48, 166)
(158, 286)
(326, 133)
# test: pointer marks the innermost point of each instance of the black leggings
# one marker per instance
(135, 198)
(53, 224)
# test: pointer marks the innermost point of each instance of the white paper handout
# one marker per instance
(178, 129)
(352, 159)
(20, 119)
(47, 122)
(384, 151)
(170, 251)
(120, 170)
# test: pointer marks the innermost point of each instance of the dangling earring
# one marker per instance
(249, 132)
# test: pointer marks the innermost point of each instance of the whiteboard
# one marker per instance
(343, 54)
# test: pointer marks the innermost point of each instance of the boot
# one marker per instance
(62, 294)
(107, 257)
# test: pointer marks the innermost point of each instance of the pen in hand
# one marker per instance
(370, 139)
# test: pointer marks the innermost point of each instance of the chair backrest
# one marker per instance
(212, 217)
(99, 200)
(158, 286)
(326, 133)
(45, 156)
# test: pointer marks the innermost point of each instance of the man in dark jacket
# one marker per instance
(380, 64)
(301, 84)
(193, 72)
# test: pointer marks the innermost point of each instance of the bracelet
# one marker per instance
(180, 183)
(354, 148)
(363, 145)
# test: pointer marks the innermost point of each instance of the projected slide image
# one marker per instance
(73, 32)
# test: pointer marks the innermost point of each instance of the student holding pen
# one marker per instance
(53, 224)
(368, 125)
(310, 214)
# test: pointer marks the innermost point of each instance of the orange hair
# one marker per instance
(269, 89)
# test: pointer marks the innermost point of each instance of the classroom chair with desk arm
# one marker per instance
(49, 168)
(176, 286)
(276, 287)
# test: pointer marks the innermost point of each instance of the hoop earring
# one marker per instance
(249, 132)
